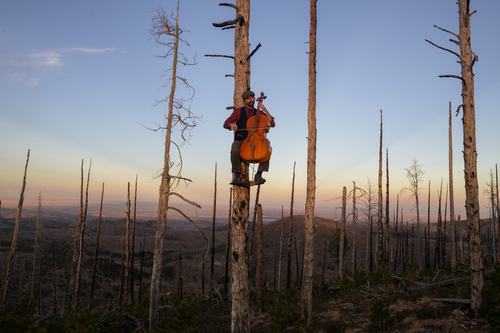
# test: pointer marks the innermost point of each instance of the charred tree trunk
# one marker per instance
(380, 250)
(353, 261)
(467, 60)
(36, 243)
(281, 250)
(342, 235)
(94, 267)
(289, 251)
(127, 249)
(212, 249)
(80, 240)
(498, 213)
(240, 306)
(260, 261)
(132, 247)
(453, 228)
(428, 253)
(308, 264)
(387, 236)
(228, 242)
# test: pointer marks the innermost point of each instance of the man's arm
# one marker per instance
(261, 107)
(230, 122)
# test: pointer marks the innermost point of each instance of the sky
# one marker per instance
(79, 81)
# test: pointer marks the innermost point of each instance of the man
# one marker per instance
(237, 122)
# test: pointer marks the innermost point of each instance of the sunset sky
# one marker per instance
(78, 80)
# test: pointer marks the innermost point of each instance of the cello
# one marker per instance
(256, 148)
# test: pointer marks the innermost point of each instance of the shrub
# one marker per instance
(380, 317)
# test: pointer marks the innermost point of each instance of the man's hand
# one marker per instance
(233, 127)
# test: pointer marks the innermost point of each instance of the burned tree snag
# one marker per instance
(10, 263)
(308, 263)
(467, 59)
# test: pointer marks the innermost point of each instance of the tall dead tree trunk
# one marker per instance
(467, 59)
(387, 237)
(36, 243)
(498, 213)
(163, 28)
(289, 251)
(94, 267)
(281, 251)
(453, 233)
(260, 261)
(428, 253)
(79, 267)
(354, 221)
(342, 234)
(228, 241)
(308, 264)
(127, 248)
(380, 250)
(10, 263)
(240, 306)
(132, 247)
(212, 249)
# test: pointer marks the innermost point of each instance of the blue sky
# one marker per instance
(78, 80)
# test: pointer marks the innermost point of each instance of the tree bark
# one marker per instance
(81, 234)
(289, 251)
(467, 59)
(453, 228)
(10, 263)
(161, 219)
(132, 247)
(228, 242)
(260, 260)
(94, 267)
(281, 251)
(127, 248)
(36, 243)
(380, 250)
(354, 220)
(387, 237)
(240, 308)
(308, 263)
(342, 234)
(212, 249)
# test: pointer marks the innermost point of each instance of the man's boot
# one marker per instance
(258, 178)
(237, 179)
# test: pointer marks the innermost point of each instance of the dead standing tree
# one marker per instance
(166, 32)
(80, 237)
(240, 308)
(453, 232)
(308, 263)
(414, 175)
(10, 263)
(380, 249)
(467, 59)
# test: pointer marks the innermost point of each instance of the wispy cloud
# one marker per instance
(29, 67)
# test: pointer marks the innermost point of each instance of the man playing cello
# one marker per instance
(237, 122)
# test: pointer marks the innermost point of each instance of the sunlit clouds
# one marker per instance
(28, 69)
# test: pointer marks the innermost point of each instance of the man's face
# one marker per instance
(250, 101)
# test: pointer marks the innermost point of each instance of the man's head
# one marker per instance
(248, 98)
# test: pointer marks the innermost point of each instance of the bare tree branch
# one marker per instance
(219, 55)
(229, 5)
(445, 49)
(453, 76)
(253, 52)
(187, 218)
(450, 32)
(228, 23)
(186, 200)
